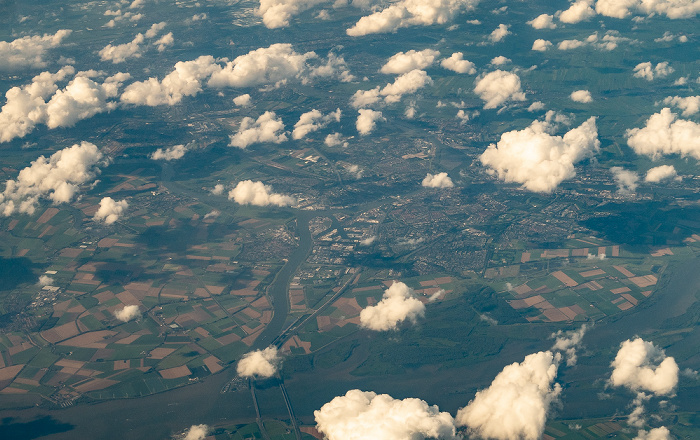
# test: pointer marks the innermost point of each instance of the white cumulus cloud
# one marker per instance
(661, 433)
(110, 210)
(664, 134)
(312, 121)
(248, 192)
(439, 180)
(543, 21)
(277, 13)
(499, 33)
(498, 87)
(397, 305)
(128, 313)
(541, 45)
(641, 366)
(537, 159)
(367, 120)
(365, 415)
(457, 63)
(195, 432)
(626, 180)
(242, 100)
(690, 104)
(267, 128)
(569, 342)
(516, 404)
(259, 363)
(662, 172)
(583, 96)
(29, 51)
(171, 153)
(673, 9)
(57, 178)
(404, 62)
(121, 52)
(649, 72)
(578, 11)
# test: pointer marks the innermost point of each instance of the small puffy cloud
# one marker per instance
(457, 63)
(195, 432)
(541, 45)
(500, 60)
(407, 83)
(354, 170)
(367, 120)
(242, 100)
(267, 128)
(45, 280)
(516, 404)
(122, 52)
(334, 66)
(609, 41)
(185, 80)
(83, 97)
(397, 305)
(664, 134)
(110, 210)
(364, 415)
(363, 98)
(165, 41)
(404, 62)
(536, 106)
(277, 13)
(368, 241)
(661, 433)
(673, 9)
(499, 33)
(662, 172)
(259, 363)
(335, 140)
(543, 21)
(578, 11)
(498, 87)
(29, 51)
(690, 104)
(641, 366)
(264, 66)
(218, 189)
(569, 342)
(248, 192)
(405, 13)
(649, 72)
(583, 96)
(128, 313)
(626, 180)
(57, 178)
(171, 153)
(538, 160)
(439, 180)
(570, 44)
(312, 121)
(155, 29)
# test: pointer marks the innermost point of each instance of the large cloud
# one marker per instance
(690, 104)
(127, 313)
(578, 11)
(516, 404)
(259, 363)
(29, 51)
(277, 13)
(267, 128)
(312, 121)
(673, 9)
(664, 134)
(498, 87)
(439, 180)
(248, 192)
(110, 210)
(537, 159)
(264, 66)
(83, 97)
(641, 366)
(364, 415)
(185, 80)
(405, 13)
(57, 178)
(661, 433)
(458, 64)
(367, 120)
(397, 305)
(404, 62)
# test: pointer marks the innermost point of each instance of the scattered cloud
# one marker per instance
(439, 180)
(267, 128)
(583, 96)
(500, 60)
(578, 11)
(248, 192)
(312, 121)
(543, 21)
(195, 432)
(365, 415)
(28, 52)
(641, 366)
(45, 280)
(537, 159)
(662, 172)
(259, 363)
(665, 134)
(626, 180)
(404, 62)
(541, 45)
(242, 100)
(499, 33)
(498, 87)
(648, 72)
(457, 63)
(110, 210)
(661, 433)
(335, 140)
(516, 404)
(277, 13)
(690, 104)
(397, 305)
(57, 178)
(121, 52)
(367, 120)
(673, 9)
(128, 313)
(536, 106)
(218, 189)
(171, 153)
(569, 342)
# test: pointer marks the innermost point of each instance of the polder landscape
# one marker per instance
(409, 219)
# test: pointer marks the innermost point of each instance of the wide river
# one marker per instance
(158, 416)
